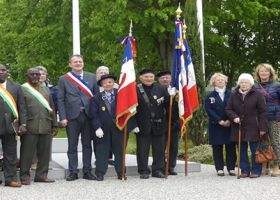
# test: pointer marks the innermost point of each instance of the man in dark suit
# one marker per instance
(164, 78)
(41, 127)
(153, 100)
(75, 89)
(7, 132)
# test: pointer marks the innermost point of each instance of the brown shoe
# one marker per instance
(244, 175)
(13, 184)
(254, 176)
(26, 182)
(44, 180)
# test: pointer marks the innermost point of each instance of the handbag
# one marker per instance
(264, 152)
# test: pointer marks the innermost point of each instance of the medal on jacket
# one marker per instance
(155, 97)
(212, 100)
(103, 108)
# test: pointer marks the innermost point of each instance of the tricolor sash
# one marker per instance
(79, 83)
(9, 99)
(29, 88)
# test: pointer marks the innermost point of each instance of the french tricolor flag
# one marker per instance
(127, 96)
(183, 77)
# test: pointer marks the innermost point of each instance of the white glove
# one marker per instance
(136, 130)
(99, 133)
(172, 91)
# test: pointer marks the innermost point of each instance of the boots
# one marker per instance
(275, 170)
(265, 169)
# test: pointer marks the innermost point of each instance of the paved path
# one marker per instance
(198, 185)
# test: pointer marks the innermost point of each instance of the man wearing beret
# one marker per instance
(153, 100)
(164, 78)
(107, 138)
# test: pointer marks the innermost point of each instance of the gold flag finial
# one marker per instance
(130, 29)
(184, 29)
(178, 11)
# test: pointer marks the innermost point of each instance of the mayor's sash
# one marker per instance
(29, 88)
(9, 99)
(79, 83)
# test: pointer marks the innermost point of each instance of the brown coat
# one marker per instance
(252, 112)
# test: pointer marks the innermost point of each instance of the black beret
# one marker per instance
(105, 76)
(145, 71)
(162, 73)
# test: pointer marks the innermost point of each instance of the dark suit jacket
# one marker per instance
(215, 109)
(70, 98)
(39, 119)
(160, 104)
(101, 117)
(6, 116)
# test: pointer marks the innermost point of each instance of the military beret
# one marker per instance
(105, 76)
(145, 71)
(162, 73)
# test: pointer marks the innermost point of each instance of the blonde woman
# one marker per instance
(219, 125)
(265, 77)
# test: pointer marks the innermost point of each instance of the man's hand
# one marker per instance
(22, 129)
(236, 120)
(136, 130)
(54, 132)
(172, 91)
(262, 133)
(222, 122)
(99, 133)
(64, 123)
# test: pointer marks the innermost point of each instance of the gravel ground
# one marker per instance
(200, 185)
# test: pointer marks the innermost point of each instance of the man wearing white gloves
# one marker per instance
(164, 78)
(108, 138)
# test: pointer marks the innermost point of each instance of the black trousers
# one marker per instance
(9, 145)
(112, 142)
(174, 144)
(41, 143)
(218, 156)
(75, 127)
(143, 148)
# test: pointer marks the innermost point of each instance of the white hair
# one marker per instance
(246, 76)
(102, 68)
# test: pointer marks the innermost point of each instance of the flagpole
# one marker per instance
(76, 27)
(184, 28)
(124, 152)
(186, 150)
(168, 137)
(125, 128)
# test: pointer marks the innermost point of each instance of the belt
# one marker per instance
(156, 120)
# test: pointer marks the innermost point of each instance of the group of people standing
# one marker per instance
(86, 104)
(252, 109)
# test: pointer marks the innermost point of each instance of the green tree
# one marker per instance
(239, 35)
(197, 126)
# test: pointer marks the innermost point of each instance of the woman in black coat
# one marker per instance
(219, 125)
(246, 108)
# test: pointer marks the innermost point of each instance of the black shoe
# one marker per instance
(99, 177)
(111, 162)
(158, 174)
(0, 182)
(144, 176)
(172, 172)
(72, 177)
(89, 176)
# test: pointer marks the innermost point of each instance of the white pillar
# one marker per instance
(200, 29)
(76, 27)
